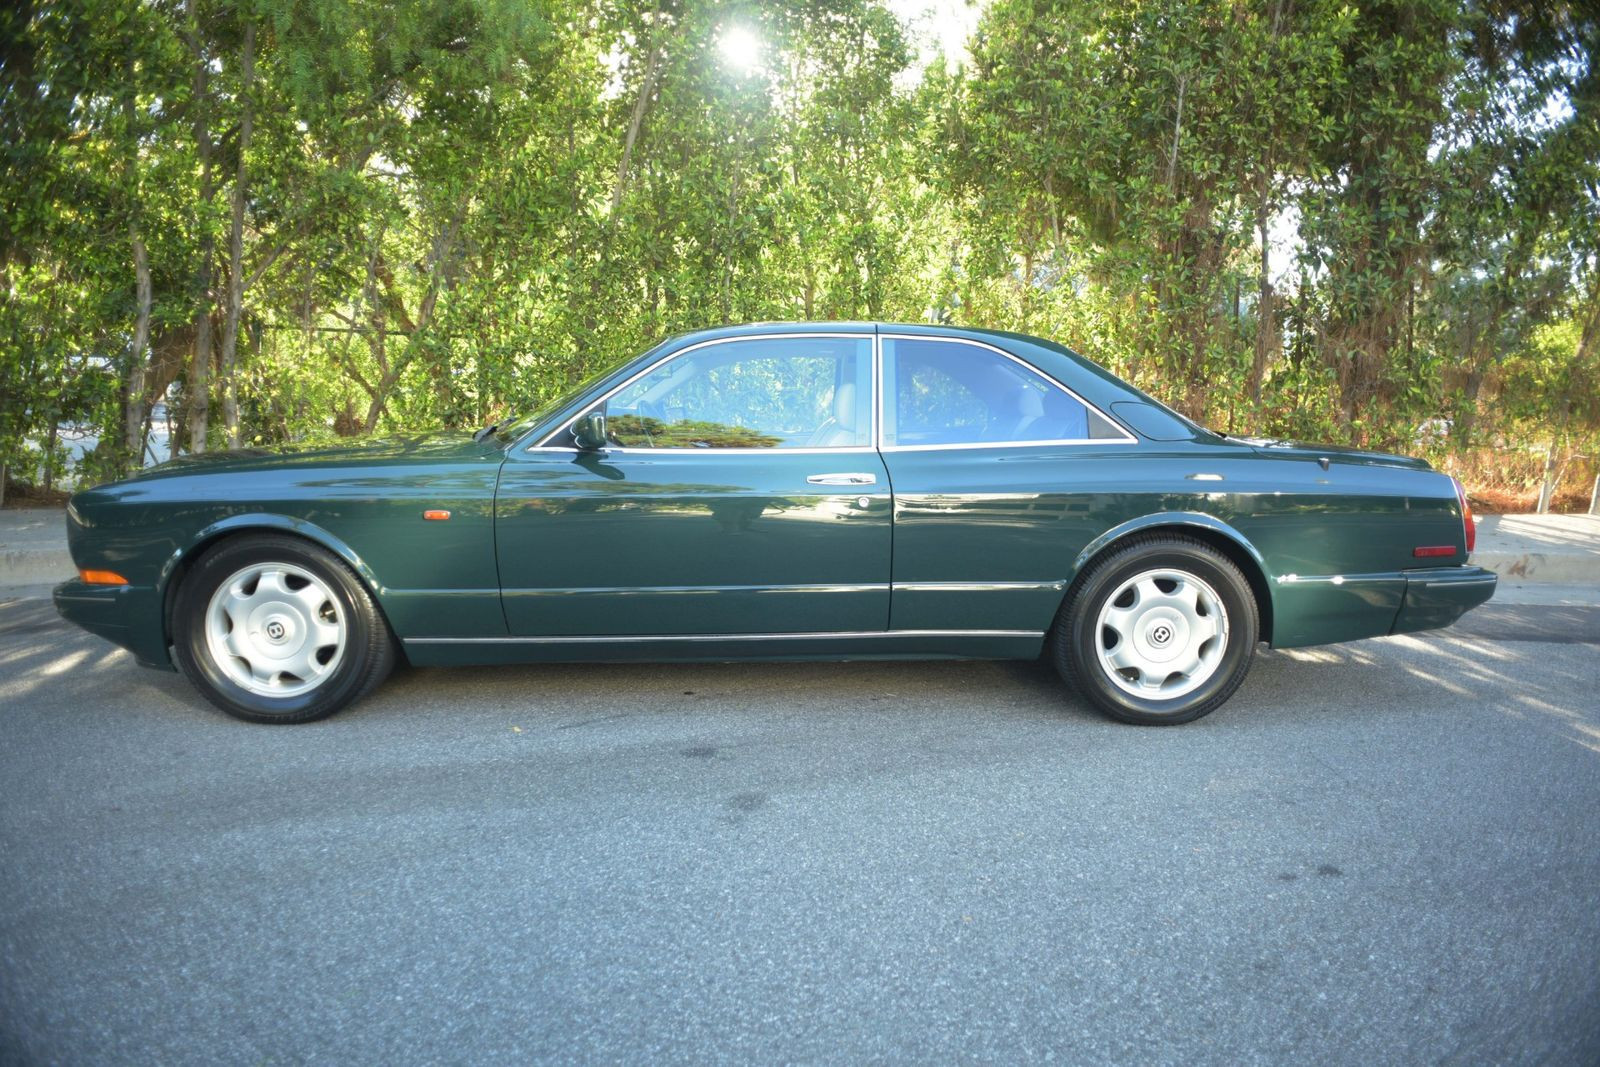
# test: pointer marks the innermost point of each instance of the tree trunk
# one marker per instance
(1025, 301)
(50, 452)
(136, 406)
(1552, 476)
(641, 106)
(133, 426)
(200, 379)
(230, 328)
(1266, 318)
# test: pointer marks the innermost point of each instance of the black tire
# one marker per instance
(1078, 641)
(365, 657)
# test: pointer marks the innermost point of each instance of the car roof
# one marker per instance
(1005, 339)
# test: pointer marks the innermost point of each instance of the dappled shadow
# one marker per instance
(40, 653)
(1550, 685)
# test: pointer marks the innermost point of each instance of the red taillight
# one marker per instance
(1468, 527)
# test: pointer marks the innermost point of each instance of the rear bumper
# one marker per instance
(125, 615)
(1438, 596)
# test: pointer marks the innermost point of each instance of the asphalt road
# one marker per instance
(1385, 852)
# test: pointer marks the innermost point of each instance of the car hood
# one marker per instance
(439, 447)
(1271, 446)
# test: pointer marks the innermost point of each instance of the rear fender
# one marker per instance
(1197, 522)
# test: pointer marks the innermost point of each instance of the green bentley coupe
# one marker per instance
(779, 491)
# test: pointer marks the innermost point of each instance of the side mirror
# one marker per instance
(589, 431)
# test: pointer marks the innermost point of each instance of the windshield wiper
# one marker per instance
(479, 435)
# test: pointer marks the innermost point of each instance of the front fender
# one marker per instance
(268, 522)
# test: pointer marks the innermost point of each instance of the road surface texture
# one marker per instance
(1384, 852)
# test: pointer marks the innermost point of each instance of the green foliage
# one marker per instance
(1318, 218)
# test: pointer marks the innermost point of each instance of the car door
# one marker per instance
(997, 469)
(738, 492)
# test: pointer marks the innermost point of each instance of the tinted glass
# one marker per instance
(950, 393)
(770, 392)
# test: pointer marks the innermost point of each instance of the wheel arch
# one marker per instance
(180, 563)
(1206, 529)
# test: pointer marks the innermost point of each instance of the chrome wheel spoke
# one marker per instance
(323, 634)
(1126, 657)
(235, 601)
(263, 674)
(271, 584)
(303, 666)
(1202, 628)
(1187, 666)
(237, 644)
(312, 597)
(1120, 622)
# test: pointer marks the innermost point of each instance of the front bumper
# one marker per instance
(125, 615)
(1438, 596)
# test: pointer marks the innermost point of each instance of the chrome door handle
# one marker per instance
(842, 479)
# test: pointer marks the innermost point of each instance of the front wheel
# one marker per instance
(275, 629)
(1158, 632)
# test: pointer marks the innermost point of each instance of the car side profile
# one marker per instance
(779, 491)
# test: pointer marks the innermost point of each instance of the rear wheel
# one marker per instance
(275, 629)
(1158, 632)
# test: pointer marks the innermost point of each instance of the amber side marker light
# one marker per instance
(102, 577)
(436, 514)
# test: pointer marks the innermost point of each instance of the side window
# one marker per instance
(768, 392)
(952, 393)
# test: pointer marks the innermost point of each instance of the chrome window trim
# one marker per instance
(614, 449)
(625, 639)
(872, 409)
(1128, 437)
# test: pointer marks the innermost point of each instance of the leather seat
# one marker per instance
(840, 430)
(1027, 409)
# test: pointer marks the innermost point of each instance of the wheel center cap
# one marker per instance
(1161, 634)
(277, 630)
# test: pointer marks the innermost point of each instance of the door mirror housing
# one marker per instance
(589, 431)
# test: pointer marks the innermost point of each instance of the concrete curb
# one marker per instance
(33, 548)
(1542, 567)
